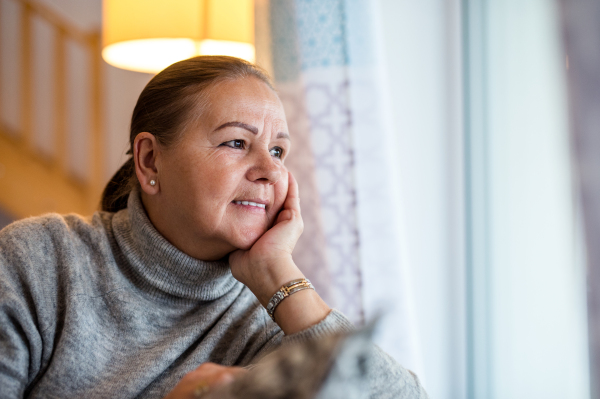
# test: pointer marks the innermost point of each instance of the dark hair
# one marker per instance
(165, 107)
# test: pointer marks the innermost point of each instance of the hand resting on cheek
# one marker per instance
(260, 267)
(268, 265)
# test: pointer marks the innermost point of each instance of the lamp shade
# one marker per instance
(149, 35)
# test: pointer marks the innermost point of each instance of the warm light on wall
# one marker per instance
(149, 35)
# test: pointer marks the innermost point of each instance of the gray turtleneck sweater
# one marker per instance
(105, 307)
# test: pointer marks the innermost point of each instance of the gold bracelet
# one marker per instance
(285, 291)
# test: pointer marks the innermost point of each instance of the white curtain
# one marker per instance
(431, 146)
(581, 28)
(527, 313)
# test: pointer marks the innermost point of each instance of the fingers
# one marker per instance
(286, 214)
(291, 205)
(214, 374)
(292, 200)
(203, 379)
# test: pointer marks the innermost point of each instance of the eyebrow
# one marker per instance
(250, 128)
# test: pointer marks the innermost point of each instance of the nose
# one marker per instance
(264, 169)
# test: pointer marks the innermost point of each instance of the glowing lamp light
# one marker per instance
(149, 35)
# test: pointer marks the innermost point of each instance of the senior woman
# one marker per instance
(165, 289)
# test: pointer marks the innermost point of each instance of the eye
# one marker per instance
(276, 152)
(241, 144)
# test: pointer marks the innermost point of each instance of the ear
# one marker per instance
(145, 156)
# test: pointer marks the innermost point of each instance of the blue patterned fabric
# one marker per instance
(307, 34)
(322, 33)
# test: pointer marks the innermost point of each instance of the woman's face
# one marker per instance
(224, 182)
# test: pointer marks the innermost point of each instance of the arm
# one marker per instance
(330, 367)
(28, 272)
(14, 347)
(388, 379)
(20, 339)
(304, 315)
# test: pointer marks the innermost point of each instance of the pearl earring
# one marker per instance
(152, 183)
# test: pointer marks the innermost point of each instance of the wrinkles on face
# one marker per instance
(206, 172)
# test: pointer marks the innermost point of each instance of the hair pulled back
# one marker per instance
(167, 105)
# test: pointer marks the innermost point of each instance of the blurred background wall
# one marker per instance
(432, 145)
(65, 113)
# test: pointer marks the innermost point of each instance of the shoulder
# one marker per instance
(44, 247)
(33, 233)
(31, 237)
(44, 259)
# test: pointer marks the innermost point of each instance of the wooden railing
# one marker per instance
(50, 156)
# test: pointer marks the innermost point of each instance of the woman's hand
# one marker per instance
(204, 379)
(268, 265)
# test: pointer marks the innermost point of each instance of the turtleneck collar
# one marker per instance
(161, 267)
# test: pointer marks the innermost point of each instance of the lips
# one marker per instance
(251, 203)
(256, 203)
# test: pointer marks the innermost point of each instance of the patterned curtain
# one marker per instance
(327, 72)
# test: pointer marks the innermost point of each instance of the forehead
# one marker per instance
(248, 98)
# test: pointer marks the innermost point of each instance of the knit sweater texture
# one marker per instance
(106, 307)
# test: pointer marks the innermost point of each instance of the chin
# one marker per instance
(247, 239)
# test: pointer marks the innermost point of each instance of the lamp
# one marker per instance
(149, 35)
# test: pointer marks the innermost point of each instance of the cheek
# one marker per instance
(205, 185)
(218, 182)
(215, 177)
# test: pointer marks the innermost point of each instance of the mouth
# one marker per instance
(251, 203)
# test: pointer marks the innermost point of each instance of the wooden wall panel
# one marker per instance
(79, 110)
(44, 86)
(30, 186)
(51, 148)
